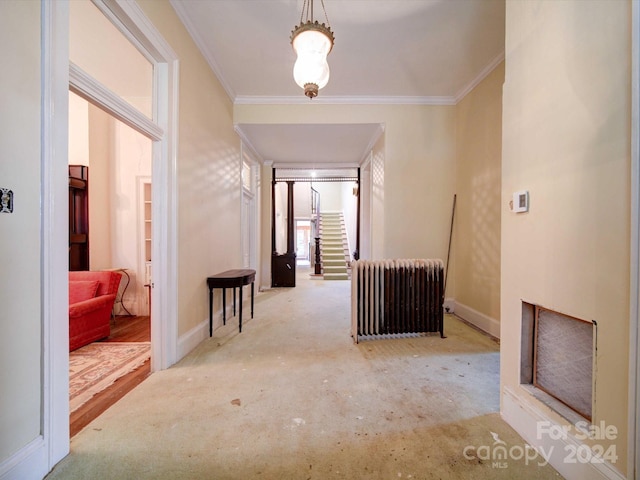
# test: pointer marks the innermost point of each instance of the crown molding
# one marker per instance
(480, 77)
(206, 53)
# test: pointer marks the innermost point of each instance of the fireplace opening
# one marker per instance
(557, 356)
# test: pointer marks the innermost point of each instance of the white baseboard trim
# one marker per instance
(193, 338)
(480, 320)
(28, 463)
(200, 332)
(525, 417)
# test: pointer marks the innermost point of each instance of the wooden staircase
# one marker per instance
(334, 249)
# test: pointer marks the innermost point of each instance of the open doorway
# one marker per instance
(303, 242)
(110, 351)
(316, 221)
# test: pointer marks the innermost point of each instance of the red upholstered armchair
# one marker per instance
(91, 298)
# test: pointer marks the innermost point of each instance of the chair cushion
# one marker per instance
(80, 290)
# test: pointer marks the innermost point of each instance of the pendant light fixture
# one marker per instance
(312, 42)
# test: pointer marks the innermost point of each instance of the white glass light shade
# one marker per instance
(311, 67)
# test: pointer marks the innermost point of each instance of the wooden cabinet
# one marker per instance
(78, 217)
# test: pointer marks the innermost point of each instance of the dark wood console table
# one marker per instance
(230, 279)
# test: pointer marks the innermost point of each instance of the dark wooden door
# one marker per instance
(283, 267)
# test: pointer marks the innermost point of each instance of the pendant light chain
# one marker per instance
(307, 7)
(325, 12)
(304, 8)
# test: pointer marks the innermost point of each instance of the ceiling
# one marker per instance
(386, 52)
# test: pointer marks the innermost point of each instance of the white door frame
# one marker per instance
(249, 226)
(633, 463)
(53, 445)
(54, 440)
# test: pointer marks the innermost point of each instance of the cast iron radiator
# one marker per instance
(396, 297)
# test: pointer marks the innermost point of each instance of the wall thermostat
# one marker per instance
(520, 202)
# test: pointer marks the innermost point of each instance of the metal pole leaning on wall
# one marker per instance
(446, 273)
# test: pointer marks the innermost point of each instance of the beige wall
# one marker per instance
(566, 139)
(350, 210)
(376, 193)
(417, 156)
(99, 159)
(330, 196)
(476, 238)
(208, 173)
(79, 130)
(130, 166)
(20, 255)
(302, 200)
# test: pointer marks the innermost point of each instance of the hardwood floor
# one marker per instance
(130, 329)
(123, 329)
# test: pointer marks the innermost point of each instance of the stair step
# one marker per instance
(336, 276)
(334, 263)
(334, 270)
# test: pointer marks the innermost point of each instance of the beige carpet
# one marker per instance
(94, 367)
(292, 397)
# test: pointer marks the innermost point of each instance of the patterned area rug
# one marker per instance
(94, 367)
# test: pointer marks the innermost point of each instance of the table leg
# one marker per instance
(240, 315)
(234, 299)
(210, 312)
(224, 306)
(251, 299)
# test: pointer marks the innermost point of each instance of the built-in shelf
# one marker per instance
(147, 222)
